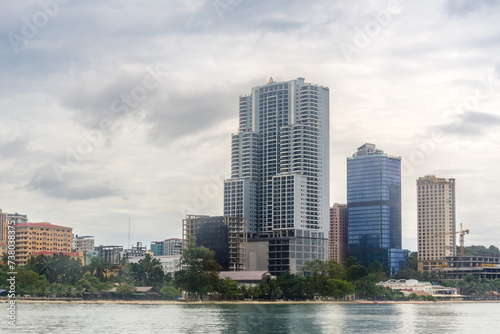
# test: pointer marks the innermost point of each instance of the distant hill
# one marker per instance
(480, 251)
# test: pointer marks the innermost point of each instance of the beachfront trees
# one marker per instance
(355, 272)
(292, 286)
(58, 268)
(170, 292)
(338, 288)
(270, 288)
(331, 269)
(227, 287)
(98, 268)
(125, 289)
(28, 282)
(200, 272)
(326, 279)
(147, 272)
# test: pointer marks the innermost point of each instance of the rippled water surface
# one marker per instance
(262, 318)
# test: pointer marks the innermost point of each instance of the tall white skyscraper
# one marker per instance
(280, 170)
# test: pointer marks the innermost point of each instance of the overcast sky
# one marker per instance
(118, 110)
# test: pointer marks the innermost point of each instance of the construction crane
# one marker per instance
(461, 234)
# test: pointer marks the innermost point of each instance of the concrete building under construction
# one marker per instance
(457, 267)
(226, 236)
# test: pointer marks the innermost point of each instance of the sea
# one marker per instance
(440, 318)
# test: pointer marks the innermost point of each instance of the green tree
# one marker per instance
(270, 288)
(28, 282)
(413, 261)
(125, 289)
(355, 272)
(366, 288)
(148, 272)
(338, 288)
(494, 251)
(408, 273)
(91, 285)
(471, 285)
(57, 290)
(170, 292)
(351, 260)
(5, 258)
(480, 250)
(378, 270)
(327, 278)
(200, 272)
(430, 276)
(254, 292)
(412, 296)
(429, 298)
(331, 269)
(98, 268)
(58, 268)
(292, 286)
(227, 287)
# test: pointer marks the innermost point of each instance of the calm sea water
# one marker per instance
(476, 318)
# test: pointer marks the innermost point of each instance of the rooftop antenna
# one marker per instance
(128, 234)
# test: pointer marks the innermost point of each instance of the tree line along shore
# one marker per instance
(60, 276)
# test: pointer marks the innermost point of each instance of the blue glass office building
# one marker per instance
(374, 209)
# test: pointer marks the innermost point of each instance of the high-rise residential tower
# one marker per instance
(3, 227)
(436, 221)
(337, 239)
(374, 208)
(280, 170)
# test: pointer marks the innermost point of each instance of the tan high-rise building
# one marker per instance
(436, 221)
(338, 233)
(3, 232)
(3, 227)
(44, 238)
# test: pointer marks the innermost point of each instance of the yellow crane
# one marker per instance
(461, 234)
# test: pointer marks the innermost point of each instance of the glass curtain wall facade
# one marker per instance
(280, 168)
(374, 208)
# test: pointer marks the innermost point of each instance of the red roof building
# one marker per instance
(32, 238)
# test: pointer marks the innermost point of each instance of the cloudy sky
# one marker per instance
(123, 110)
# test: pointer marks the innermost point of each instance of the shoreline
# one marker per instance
(241, 302)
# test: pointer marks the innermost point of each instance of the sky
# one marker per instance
(123, 110)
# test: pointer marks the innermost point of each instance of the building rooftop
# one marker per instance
(44, 224)
(50, 253)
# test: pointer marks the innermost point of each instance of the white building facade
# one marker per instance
(83, 243)
(280, 170)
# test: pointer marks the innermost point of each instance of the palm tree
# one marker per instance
(5, 258)
(97, 267)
